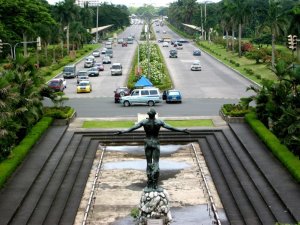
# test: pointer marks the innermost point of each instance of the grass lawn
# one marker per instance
(130, 123)
(259, 69)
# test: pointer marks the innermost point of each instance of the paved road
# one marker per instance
(204, 91)
(105, 84)
(214, 81)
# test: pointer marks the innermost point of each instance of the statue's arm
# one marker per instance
(169, 127)
(137, 126)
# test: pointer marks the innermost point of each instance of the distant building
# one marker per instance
(91, 2)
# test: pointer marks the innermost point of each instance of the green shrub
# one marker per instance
(235, 110)
(288, 159)
(8, 166)
(59, 112)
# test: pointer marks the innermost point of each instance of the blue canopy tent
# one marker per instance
(143, 82)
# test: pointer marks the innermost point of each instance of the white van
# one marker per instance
(69, 71)
(116, 69)
(147, 96)
(108, 44)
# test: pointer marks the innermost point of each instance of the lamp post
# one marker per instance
(138, 70)
(97, 23)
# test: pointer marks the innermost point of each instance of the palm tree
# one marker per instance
(276, 22)
(240, 12)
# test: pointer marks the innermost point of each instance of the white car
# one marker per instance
(96, 53)
(103, 51)
(64, 82)
(196, 66)
(165, 44)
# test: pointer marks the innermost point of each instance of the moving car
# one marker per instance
(173, 53)
(84, 86)
(89, 61)
(148, 96)
(179, 45)
(120, 41)
(197, 52)
(109, 52)
(56, 84)
(96, 53)
(103, 51)
(124, 44)
(196, 66)
(116, 69)
(69, 71)
(99, 66)
(93, 72)
(106, 60)
(120, 92)
(82, 78)
(172, 96)
(165, 44)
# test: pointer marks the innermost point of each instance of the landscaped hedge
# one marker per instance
(288, 159)
(18, 154)
(234, 110)
(59, 112)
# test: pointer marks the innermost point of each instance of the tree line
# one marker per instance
(65, 22)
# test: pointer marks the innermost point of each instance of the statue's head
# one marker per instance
(151, 113)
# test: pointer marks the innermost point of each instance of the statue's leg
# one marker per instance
(148, 154)
(155, 173)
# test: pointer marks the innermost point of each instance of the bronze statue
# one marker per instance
(152, 147)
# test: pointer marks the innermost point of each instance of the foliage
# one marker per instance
(235, 110)
(278, 103)
(58, 112)
(158, 72)
(134, 213)
(290, 161)
(8, 166)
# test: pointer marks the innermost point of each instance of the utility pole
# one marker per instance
(97, 24)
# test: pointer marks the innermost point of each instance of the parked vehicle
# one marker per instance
(56, 84)
(120, 92)
(106, 60)
(147, 96)
(93, 72)
(69, 71)
(84, 86)
(116, 69)
(173, 53)
(196, 66)
(172, 96)
(197, 52)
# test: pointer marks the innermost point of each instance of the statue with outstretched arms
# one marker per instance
(152, 146)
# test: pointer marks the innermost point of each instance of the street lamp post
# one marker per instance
(15, 46)
(97, 23)
(138, 66)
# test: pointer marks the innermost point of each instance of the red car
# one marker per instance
(124, 44)
(121, 91)
(56, 84)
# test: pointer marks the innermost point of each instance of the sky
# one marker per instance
(137, 3)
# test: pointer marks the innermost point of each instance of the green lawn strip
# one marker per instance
(129, 123)
(260, 70)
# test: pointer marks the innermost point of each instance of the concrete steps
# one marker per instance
(47, 188)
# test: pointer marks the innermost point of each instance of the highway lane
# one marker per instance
(214, 81)
(204, 91)
(105, 84)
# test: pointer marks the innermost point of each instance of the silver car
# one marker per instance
(196, 66)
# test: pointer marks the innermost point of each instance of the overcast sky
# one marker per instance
(137, 3)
